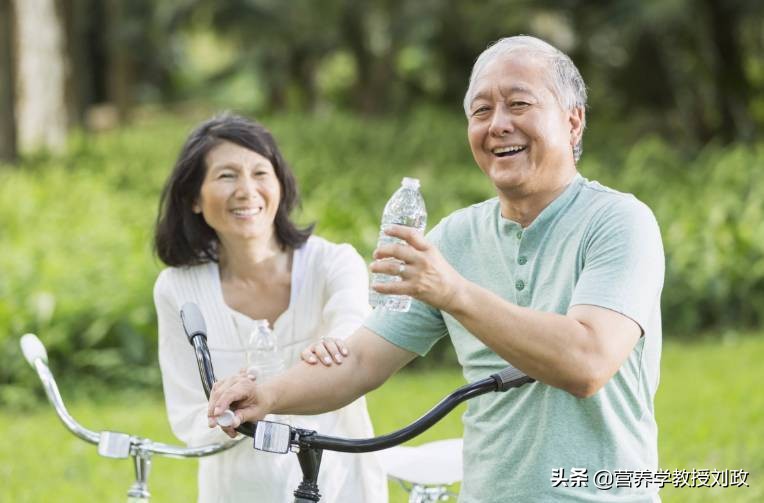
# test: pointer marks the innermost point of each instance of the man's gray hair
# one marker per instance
(566, 81)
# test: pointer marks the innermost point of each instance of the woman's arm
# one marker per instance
(184, 398)
(345, 304)
(346, 292)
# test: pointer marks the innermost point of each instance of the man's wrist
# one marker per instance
(458, 304)
(270, 393)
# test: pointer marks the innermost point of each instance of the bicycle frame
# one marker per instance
(309, 445)
(111, 444)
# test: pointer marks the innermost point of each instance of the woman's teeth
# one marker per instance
(246, 212)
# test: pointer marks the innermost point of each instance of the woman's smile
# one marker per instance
(247, 213)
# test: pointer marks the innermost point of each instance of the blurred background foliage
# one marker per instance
(358, 93)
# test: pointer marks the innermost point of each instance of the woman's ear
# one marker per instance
(196, 207)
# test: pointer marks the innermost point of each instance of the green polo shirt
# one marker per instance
(591, 245)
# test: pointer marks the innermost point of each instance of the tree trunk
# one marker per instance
(372, 92)
(302, 69)
(79, 17)
(732, 86)
(458, 57)
(354, 34)
(121, 74)
(275, 77)
(41, 80)
(7, 106)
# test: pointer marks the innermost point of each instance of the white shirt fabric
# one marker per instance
(328, 297)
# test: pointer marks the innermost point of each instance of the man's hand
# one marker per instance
(242, 394)
(425, 274)
(309, 389)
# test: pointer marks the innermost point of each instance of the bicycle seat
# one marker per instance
(433, 463)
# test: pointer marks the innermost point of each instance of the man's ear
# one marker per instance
(577, 119)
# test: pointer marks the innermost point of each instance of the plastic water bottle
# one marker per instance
(405, 207)
(263, 358)
(263, 361)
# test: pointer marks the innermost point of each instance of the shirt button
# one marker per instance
(519, 284)
(522, 260)
(519, 234)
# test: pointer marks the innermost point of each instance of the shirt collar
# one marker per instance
(551, 210)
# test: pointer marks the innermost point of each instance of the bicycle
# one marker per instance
(111, 444)
(309, 445)
(424, 472)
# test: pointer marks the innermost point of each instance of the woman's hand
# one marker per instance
(327, 350)
(425, 274)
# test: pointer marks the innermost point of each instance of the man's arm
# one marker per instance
(578, 352)
(311, 389)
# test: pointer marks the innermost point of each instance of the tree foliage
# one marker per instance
(690, 70)
(693, 77)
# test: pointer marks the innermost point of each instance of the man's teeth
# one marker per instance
(246, 212)
(505, 150)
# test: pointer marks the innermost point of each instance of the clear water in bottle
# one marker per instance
(263, 357)
(405, 207)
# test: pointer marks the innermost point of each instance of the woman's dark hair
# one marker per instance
(182, 237)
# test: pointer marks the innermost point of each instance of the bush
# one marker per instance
(709, 207)
(77, 266)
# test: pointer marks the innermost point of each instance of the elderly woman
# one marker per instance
(224, 231)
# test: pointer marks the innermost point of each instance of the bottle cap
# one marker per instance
(412, 183)
(226, 418)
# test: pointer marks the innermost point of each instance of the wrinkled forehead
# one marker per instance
(515, 70)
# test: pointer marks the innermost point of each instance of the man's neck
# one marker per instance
(524, 206)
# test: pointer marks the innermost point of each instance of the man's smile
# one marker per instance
(508, 150)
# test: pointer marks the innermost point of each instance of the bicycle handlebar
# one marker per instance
(502, 381)
(193, 324)
(196, 330)
(110, 444)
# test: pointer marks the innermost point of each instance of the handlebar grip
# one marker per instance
(33, 348)
(194, 325)
(193, 321)
(509, 378)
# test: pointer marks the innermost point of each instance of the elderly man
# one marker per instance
(558, 276)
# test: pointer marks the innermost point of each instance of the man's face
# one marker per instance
(519, 134)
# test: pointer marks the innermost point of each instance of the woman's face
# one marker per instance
(240, 194)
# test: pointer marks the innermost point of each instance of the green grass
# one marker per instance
(710, 411)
